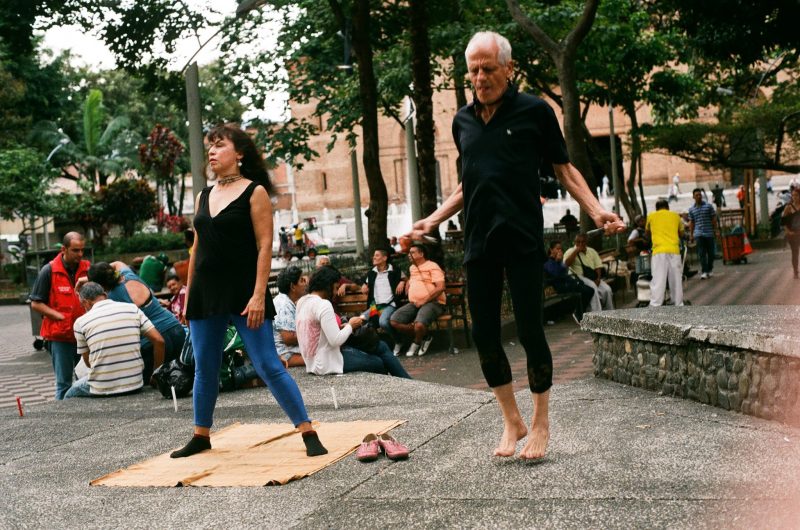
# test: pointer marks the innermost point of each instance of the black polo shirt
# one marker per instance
(501, 164)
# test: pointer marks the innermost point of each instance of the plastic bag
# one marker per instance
(174, 374)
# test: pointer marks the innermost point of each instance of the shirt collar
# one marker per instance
(511, 92)
(388, 268)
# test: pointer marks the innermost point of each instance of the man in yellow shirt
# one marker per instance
(665, 228)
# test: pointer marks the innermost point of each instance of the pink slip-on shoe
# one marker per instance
(369, 450)
(394, 450)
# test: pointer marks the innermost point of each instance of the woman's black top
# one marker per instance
(225, 260)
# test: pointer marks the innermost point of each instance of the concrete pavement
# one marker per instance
(619, 458)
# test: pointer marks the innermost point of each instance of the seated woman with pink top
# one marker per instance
(322, 341)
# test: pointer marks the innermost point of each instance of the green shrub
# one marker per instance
(146, 243)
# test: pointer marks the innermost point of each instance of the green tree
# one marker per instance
(563, 53)
(25, 179)
(128, 203)
(158, 156)
(746, 57)
(106, 146)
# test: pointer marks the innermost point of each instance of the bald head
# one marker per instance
(72, 249)
(69, 237)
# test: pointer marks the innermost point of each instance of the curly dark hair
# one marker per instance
(288, 277)
(104, 274)
(253, 167)
(322, 281)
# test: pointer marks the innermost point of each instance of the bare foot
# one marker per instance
(511, 435)
(537, 443)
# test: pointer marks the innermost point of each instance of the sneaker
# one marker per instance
(412, 350)
(397, 349)
(704, 276)
(426, 343)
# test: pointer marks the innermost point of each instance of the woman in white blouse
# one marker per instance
(321, 338)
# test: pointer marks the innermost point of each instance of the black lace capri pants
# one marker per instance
(484, 294)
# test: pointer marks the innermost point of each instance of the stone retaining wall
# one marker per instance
(744, 358)
(755, 383)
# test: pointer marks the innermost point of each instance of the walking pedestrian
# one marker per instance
(665, 229)
(791, 226)
(503, 138)
(702, 227)
(228, 274)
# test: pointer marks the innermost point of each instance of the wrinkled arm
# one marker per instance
(451, 206)
(576, 185)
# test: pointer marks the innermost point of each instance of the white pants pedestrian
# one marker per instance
(666, 268)
(603, 295)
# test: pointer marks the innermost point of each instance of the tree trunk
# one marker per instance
(573, 134)
(459, 71)
(601, 158)
(641, 189)
(182, 195)
(423, 101)
(636, 155)
(563, 55)
(368, 95)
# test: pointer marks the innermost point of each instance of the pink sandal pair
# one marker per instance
(373, 444)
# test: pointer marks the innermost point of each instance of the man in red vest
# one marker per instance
(54, 297)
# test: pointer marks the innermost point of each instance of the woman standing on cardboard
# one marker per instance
(228, 272)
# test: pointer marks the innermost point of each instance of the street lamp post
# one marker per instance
(411, 165)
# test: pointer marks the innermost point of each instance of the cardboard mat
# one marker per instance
(265, 454)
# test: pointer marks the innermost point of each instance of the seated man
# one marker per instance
(570, 222)
(108, 340)
(292, 285)
(585, 263)
(562, 281)
(426, 302)
(178, 300)
(383, 283)
(638, 240)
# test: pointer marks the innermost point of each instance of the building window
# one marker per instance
(324, 181)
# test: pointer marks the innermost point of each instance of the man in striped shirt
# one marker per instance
(702, 226)
(108, 340)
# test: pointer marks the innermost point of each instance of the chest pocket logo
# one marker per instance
(64, 289)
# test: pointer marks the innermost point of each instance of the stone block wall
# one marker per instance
(756, 383)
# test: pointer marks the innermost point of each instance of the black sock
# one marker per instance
(313, 445)
(197, 444)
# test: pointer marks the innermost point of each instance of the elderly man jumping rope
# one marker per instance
(503, 138)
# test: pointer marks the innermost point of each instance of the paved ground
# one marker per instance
(765, 280)
(620, 457)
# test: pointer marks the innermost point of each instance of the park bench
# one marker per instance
(618, 278)
(551, 298)
(355, 303)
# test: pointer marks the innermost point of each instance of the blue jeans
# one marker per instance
(705, 252)
(79, 388)
(65, 357)
(208, 335)
(382, 361)
(383, 320)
